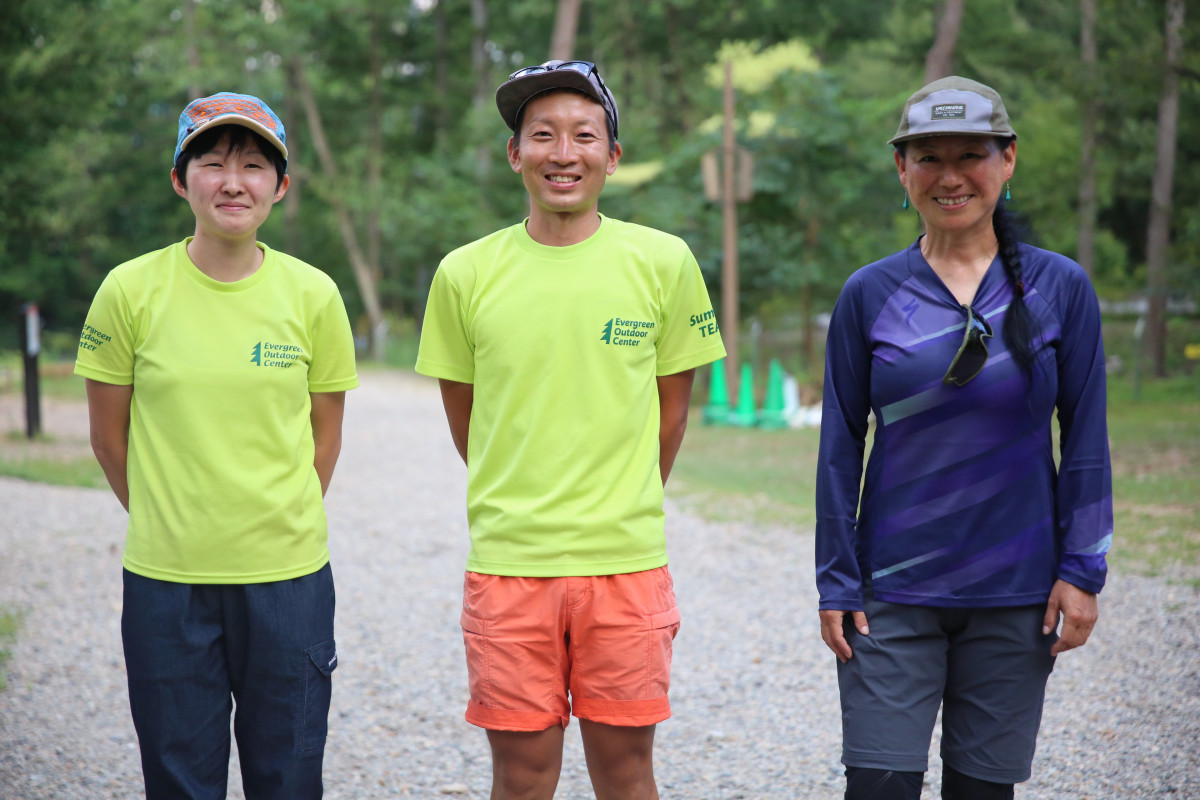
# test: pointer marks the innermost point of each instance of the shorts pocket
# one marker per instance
(660, 639)
(666, 619)
(320, 661)
(478, 664)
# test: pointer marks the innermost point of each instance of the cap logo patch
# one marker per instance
(949, 111)
(215, 107)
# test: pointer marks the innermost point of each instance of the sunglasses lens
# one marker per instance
(582, 67)
(969, 363)
(973, 353)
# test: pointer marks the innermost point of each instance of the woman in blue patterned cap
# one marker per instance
(944, 581)
(216, 376)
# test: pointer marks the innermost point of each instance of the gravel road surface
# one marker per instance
(754, 690)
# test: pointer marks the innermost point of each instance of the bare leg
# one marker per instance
(620, 761)
(526, 765)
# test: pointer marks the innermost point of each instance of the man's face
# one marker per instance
(231, 191)
(562, 153)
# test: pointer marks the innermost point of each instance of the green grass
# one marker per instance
(83, 472)
(56, 377)
(1156, 489)
(10, 623)
(738, 473)
(769, 476)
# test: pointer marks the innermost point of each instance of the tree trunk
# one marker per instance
(291, 200)
(195, 90)
(729, 256)
(1087, 145)
(484, 91)
(358, 263)
(1158, 237)
(375, 148)
(939, 61)
(441, 74)
(566, 24)
(676, 99)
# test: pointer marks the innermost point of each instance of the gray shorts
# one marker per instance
(986, 667)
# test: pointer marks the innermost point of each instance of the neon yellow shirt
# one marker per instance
(222, 487)
(563, 345)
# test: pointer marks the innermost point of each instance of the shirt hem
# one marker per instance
(992, 601)
(566, 570)
(172, 576)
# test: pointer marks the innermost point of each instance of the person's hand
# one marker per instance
(835, 639)
(1079, 610)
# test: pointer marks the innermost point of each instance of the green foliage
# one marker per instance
(99, 84)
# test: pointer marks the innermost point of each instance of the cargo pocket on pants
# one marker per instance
(319, 663)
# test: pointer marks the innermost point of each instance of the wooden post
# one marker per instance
(29, 330)
(729, 269)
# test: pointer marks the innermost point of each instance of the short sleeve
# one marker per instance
(690, 335)
(332, 368)
(106, 343)
(446, 350)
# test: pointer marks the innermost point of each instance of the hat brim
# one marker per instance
(908, 137)
(512, 95)
(236, 119)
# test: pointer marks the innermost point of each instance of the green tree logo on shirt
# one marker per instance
(256, 354)
(607, 335)
(627, 332)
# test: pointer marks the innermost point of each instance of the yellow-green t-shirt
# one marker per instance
(222, 487)
(563, 346)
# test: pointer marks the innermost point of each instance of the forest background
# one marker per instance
(397, 152)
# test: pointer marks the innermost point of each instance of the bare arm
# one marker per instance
(326, 416)
(674, 394)
(108, 415)
(457, 398)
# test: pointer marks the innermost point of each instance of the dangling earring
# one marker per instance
(905, 206)
(1007, 193)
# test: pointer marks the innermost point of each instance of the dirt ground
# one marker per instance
(64, 428)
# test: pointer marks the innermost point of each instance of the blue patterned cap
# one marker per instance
(227, 108)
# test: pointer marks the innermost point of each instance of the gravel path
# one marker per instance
(754, 691)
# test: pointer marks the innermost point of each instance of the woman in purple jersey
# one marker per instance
(943, 583)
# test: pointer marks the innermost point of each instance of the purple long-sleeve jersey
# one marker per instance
(962, 504)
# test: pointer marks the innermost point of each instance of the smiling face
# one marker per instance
(954, 182)
(230, 189)
(562, 152)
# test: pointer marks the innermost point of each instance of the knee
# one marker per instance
(957, 786)
(525, 765)
(863, 783)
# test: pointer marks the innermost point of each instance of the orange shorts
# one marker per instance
(605, 640)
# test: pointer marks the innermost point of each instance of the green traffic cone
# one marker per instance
(744, 416)
(772, 416)
(717, 410)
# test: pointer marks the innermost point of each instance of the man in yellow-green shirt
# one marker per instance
(216, 375)
(565, 347)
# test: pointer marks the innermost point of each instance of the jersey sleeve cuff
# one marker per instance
(434, 369)
(691, 360)
(104, 376)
